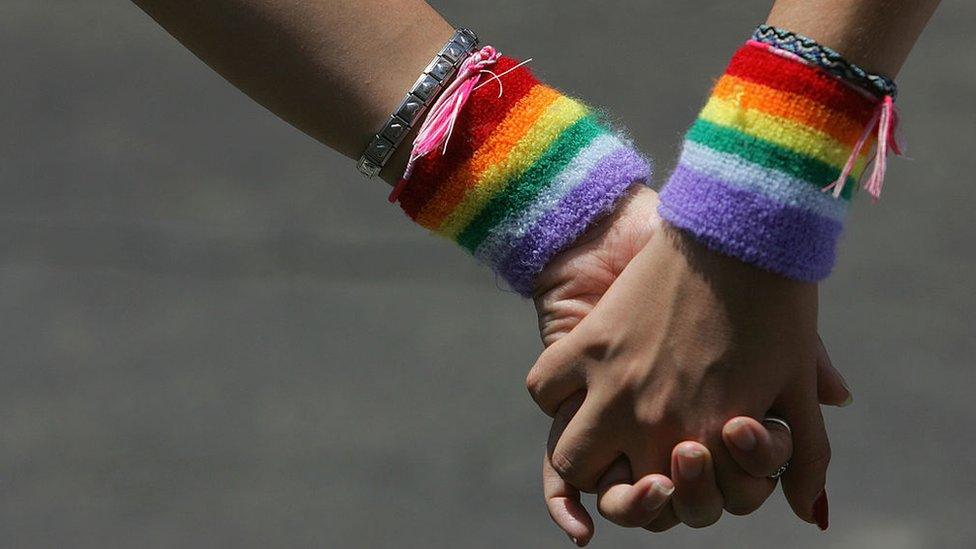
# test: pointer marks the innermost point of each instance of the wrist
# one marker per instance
(740, 302)
(525, 174)
(402, 124)
(875, 34)
(776, 132)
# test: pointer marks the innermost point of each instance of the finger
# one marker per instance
(750, 452)
(584, 449)
(631, 505)
(666, 519)
(555, 376)
(565, 507)
(697, 500)
(564, 414)
(647, 459)
(832, 388)
(563, 499)
(758, 448)
(804, 481)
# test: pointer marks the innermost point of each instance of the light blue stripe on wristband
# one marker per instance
(745, 175)
(500, 243)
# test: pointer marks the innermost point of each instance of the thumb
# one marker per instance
(832, 389)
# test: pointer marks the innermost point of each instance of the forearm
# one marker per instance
(875, 34)
(334, 69)
(789, 120)
(529, 168)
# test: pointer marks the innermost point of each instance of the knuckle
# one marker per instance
(566, 466)
(535, 383)
(619, 517)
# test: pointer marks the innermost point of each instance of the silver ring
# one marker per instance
(781, 422)
(779, 472)
(778, 421)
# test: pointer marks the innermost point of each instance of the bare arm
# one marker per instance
(875, 34)
(334, 69)
(327, 67)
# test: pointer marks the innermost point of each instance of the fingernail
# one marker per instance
(657, 496)
(850, 394)
(742, 436)
(574, 540)
(691, 461)
(820, 510)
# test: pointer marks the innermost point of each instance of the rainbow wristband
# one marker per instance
(523, 176)
(775, 132)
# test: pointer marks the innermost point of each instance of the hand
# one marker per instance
(758, 448)
(651, 502)
(684, 339)
(572, 285)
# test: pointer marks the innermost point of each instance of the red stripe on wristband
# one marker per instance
(771, 70)
(479, 118)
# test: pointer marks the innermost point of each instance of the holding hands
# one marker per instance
(673, 325)
(661, 359)
(707, 322)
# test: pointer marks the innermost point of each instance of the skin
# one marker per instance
(322, 66)
(723, 336)
(568, 290)
(308, 63)
(305, 62)
(670, 352)
(877, 35)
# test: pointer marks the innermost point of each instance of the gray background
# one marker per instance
(214, 333)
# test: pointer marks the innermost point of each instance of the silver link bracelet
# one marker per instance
(438, 72)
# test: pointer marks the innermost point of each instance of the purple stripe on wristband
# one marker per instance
(559, 227)
(790, 241)
(506, 236)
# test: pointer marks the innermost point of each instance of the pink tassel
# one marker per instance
(885, 119)
(886, 127)
(439, 125)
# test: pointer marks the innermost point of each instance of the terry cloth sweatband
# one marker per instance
(525, 173)
(776, 133)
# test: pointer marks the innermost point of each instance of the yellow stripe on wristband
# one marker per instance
(494, 149)
(783, 132)
(561, 114)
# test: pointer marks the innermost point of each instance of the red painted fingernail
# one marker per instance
(850, 394)
(820, 510)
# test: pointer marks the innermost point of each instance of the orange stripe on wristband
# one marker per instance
(495, 148)
(771, 70)
(475, 125)
(561, 114)
(752, 96)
